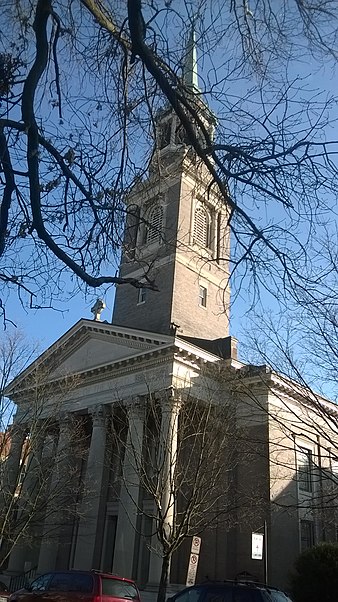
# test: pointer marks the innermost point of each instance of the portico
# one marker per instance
(105, 416)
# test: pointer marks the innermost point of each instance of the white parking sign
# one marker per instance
(257, 546)
(192, 569)
(196, 545)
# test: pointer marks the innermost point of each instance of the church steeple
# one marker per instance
(178, 232)
(170, 133)
(190, 72)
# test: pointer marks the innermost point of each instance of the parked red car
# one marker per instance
(78, 586)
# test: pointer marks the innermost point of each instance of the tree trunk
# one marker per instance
(162, 589)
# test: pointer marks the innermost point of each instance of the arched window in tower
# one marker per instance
(154, 224)
(202, 226)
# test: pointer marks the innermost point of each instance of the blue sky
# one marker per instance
(45, 326)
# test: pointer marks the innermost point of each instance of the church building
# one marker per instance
(120, 416)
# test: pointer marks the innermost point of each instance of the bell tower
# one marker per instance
(177, 234)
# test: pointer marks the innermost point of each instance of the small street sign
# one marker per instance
(196, 545)
(257, 541)
(192, 569)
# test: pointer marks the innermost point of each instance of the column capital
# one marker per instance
(49, 445)
(170, 400)
(20, 425)
(99, 415)
(21, 417)
(66, 432)
(66, 417)
(136, 407)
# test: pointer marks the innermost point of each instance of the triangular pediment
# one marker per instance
(89, 345)
(97, 350)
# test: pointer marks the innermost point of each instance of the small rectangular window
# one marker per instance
(142, 295)
(203, 296)
(334, 470)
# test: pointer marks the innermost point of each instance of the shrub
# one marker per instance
(316, 574)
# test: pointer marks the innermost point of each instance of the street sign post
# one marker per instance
(193, 560)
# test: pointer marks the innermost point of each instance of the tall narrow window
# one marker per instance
(154, 225)
(334, 470)
(202, 225)
(304, 468)
(202, 296)
(307, 536)
(132, 224)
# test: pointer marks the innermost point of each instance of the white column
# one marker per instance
(130, 490)
(86, 553)
(16, 435)
(53, 523)
(168, 442)
(167, 458)
(28, 509)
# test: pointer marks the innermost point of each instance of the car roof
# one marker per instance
(91, 572)
(234, 582)
(112, 576)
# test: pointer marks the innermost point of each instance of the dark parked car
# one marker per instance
(230, 591)
(78, 586)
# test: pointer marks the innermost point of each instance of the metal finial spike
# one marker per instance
(190, 75)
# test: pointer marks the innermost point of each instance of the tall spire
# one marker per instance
(190, 75)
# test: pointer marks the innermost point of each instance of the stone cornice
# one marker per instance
(271, 382)
(143, 361)
(172, 174)
(175, 350)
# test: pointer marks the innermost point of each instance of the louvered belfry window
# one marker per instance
(154, 224)
(202, 227)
